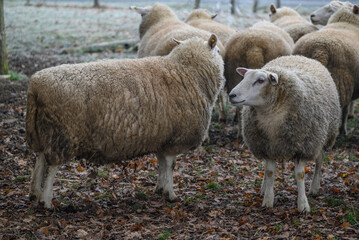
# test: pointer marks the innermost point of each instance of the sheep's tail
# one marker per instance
(32, 136)
(255, 57)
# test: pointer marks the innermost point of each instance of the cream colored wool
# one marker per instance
(201, 18)
(291, 22)
(159, 25)
(291, 111)
(114, 110)
(336, 46)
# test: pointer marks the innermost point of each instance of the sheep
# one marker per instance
(290, 111)
(322, 15)
(159, 25)
(291, 22)
(201, 18)
(114, 110)
(253, 48)
(336, 46)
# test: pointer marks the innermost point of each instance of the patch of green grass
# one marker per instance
(137, 206)
(296, 222)
(333, 202)
(140, 195)
(20, 179)
(352, 217)
(14, 76)
(103, 174)
(278, 226)
(152, 175)
(165, 235)
(208, 148)
(213, 186)
(102, 196)
(199, 196)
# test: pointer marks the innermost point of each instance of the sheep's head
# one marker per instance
(346, 14)
(255, 88)
(200, 14)
(322, 15)
(275, 13)
(212, 43)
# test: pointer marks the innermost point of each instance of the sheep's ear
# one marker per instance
(177, 41)
(140, 10)
(273, 79)
(297, 7)
(214, 16)
(272, 8)
(355, 9)
(212, 41)
(241, 71)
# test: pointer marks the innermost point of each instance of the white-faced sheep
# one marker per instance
(113, 110)
(322, 15)
(291, 22)
(159, 25)
(253, 48)
(201, 18)
(290, 111)
(336, 46)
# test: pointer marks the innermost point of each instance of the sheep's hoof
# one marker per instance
(170, 196)
(47, 205)
(313, 192)
(267, 203)
(303, 206)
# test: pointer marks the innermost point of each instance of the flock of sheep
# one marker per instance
(294, 83)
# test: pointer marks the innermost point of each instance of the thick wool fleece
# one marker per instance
(202, 19)
(253, 48)
(292, 22)
(113, 110)
(302, 114)
(336, 46)
(159, 26)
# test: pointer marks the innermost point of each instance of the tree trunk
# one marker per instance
(96, 4)
(3, 53)
(255, 5)
(278, 3)
(233, 7)
(197, 3)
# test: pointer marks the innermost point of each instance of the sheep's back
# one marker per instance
(337, 48)
(252, 48)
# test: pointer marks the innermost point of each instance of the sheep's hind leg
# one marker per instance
(37, 177)
(300, 174)
(165, 177)
(270, 169)
(48, 181)
(314, 187)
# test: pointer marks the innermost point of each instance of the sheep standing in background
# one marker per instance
(336, 46)
(290, 20)
(290, 111)
(113, 110)
(322, 15)
(201, 18)
(253, 48)
(159, 26)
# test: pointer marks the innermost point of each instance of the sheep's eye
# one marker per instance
(259, 81)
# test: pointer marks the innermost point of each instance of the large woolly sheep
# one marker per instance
(322, 15)
(291, 22)
(159, 25)
(253, 48)
(114, 110)
(336, 46)
(290, 111)
(201, 18)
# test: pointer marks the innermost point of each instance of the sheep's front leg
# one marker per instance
(263, 186)
(165, 178)
(300, 174)
(37, 177)
(48, 181)
(314, 187)
(270, 168)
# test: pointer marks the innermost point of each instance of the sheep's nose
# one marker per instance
(232, 95)
(312, 15)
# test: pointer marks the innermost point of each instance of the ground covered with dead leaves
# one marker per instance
(217, 188)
